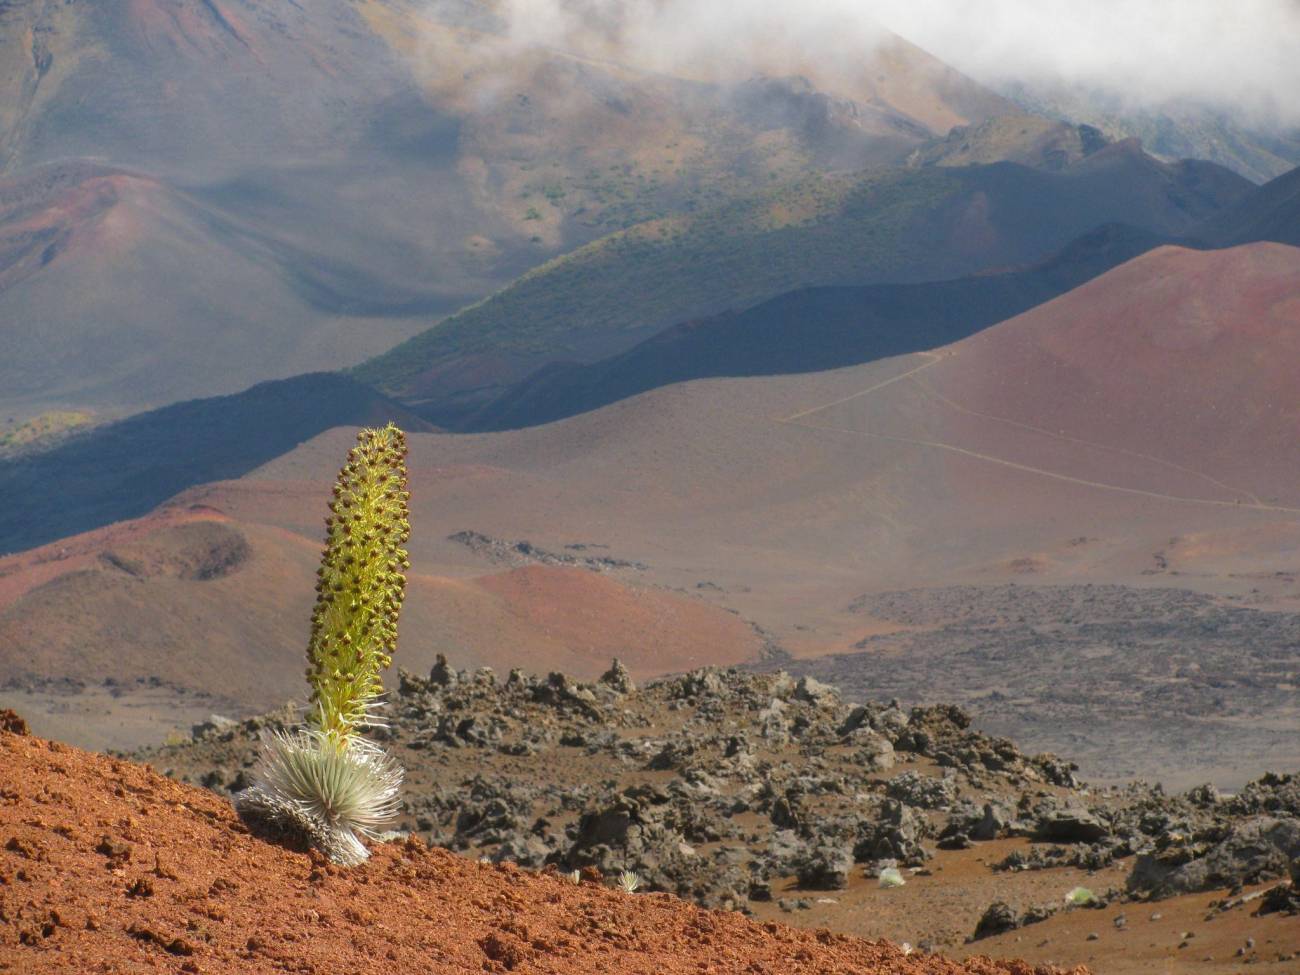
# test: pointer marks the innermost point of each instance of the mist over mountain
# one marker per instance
(244, 191)
(1182, 129)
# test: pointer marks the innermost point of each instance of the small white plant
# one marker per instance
(891, 877)
(307, 784)
(1080, 897)
(628, 882)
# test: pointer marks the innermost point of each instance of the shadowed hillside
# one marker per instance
(810, 330)
(896, 226)
(126, 468)
(1271, 212)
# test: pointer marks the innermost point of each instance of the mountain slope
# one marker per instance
(1174, 130)
(810, 330)
(1136, 431)
(1271, 212)
(893, 226)
(1216, 333)
(276, 189)
(126, 468)
(119, 290)
(1030, 140)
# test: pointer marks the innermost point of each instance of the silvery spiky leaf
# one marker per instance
(328, 793)
(629, 882)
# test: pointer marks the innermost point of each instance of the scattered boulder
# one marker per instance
(1284, 898)
(1071, 825)
(12, 724)
(998, 918)
(896, 835)
(826, 866)
(815, 692)
(1261, 848)
(617, 678)
(873, 753)
(923, 791)
(442, 674)
(994, 821)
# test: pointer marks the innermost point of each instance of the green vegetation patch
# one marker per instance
(43, 432)
(820, 230)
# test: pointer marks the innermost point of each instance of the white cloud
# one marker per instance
(1236, 54)
(1242, 54)
(699, 36)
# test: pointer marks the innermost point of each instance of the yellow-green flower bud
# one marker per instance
(350, 636)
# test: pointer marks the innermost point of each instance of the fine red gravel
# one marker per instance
(106, 866)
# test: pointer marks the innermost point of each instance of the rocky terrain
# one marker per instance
(774, 796)
(105, 866)
(1156, 683)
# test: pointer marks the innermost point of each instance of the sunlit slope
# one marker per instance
(1187, 356)
(206, 604)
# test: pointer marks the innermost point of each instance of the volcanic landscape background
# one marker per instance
(841, 363)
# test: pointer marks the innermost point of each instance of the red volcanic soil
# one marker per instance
(205, 602)
(1183, 357)
(107, 866)
(545, 618)
(25, 571)
(45, 213)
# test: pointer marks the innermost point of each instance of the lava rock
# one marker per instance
(1260, 848)
(998, 918)
(1072, 825)
(825, 867)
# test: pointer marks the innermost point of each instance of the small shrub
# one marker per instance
(629, 882)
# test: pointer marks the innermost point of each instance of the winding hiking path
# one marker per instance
(1251, 502)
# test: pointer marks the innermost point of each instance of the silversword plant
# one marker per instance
(629, 882)
(324, 782)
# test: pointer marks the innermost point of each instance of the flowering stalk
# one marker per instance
(359, 585)
(325, 783)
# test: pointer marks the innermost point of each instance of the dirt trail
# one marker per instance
(106, 866)
(1251, 503)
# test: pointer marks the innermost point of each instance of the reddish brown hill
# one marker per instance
(203, 603)
(1179, 357)
(108, 866)
(118, 288)
(785, 498)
